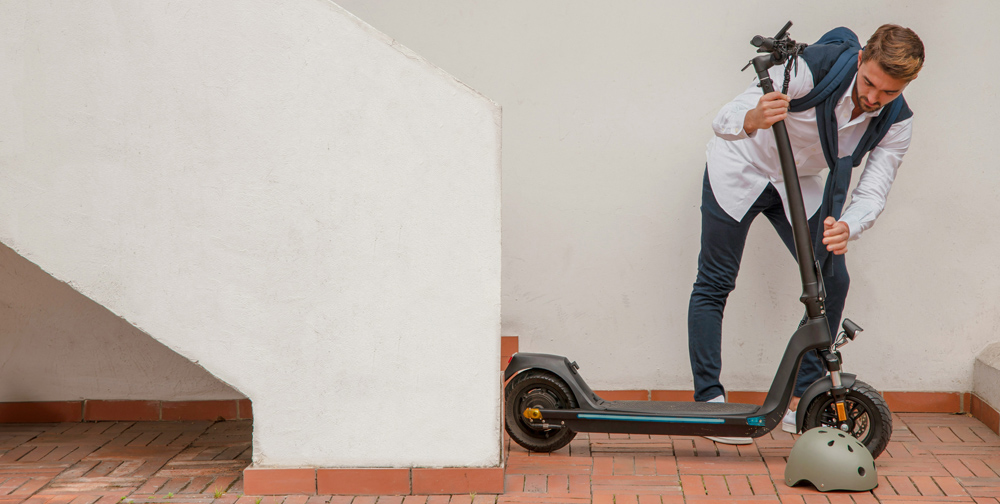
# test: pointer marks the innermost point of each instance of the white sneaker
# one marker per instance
(788, 422)
(727, 439)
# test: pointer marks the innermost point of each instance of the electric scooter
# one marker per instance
(548, 402)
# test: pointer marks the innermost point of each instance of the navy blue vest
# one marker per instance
(833, 60)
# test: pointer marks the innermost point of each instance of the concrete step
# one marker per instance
(986, 387)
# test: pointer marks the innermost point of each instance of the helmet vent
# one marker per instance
(841, 435)
(830, 443)
(850, 449)
(861, 471)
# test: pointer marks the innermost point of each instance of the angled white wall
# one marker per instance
(278, 192)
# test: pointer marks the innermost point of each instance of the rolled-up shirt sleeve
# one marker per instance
(869, 197)
(728, 123)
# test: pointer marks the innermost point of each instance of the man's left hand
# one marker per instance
(835, 235)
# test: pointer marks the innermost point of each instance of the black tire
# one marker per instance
(868, 418)
(537, 389)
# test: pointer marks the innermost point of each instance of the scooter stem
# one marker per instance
(813, 293)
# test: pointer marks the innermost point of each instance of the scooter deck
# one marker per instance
(679, 408)
(663, 417)
(595, 414)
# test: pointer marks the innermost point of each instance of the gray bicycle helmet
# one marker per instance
(831, 460)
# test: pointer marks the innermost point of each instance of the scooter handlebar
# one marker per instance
(783, 31)
(777, 45)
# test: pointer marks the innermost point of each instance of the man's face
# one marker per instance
(874, 88)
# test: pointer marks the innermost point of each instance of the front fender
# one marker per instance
(819, 387)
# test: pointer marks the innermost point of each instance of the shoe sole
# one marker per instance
(730, 440)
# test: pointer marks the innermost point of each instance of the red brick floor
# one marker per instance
(932, 458)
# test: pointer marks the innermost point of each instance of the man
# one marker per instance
(743, 179)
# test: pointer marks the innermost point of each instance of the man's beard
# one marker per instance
(862, 101)
(866, 107)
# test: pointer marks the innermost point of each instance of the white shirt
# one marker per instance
(740, 166)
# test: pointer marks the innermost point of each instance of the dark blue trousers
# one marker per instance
(722, 242)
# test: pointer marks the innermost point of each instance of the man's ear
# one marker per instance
(860, 52)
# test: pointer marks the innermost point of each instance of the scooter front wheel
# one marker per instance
(868, 417)
(542, 390)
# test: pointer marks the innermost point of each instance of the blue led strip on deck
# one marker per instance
(629, 418)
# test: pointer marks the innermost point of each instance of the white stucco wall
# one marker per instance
(279, 193)
(607, 110)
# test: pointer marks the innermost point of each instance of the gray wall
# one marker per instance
(603, 152)
(607, 110)
(58, 345)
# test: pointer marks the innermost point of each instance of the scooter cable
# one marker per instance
(793, 61)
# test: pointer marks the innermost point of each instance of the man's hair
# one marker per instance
(897, 50)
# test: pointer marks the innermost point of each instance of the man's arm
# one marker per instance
(771, 108)
(869, 197)
(752, 111)
(835, 235)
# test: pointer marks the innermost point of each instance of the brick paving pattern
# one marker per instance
(932, 458)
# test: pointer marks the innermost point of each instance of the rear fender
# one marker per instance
(559, 366)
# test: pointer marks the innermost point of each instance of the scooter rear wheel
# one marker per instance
(868, 417)
(543, 390)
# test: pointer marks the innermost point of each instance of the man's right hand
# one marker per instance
(771, 108)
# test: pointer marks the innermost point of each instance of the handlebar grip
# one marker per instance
(783, 30)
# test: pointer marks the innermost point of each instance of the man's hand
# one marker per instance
(771, 108)
(835, 235)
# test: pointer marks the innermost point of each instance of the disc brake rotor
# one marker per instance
(857, 422)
